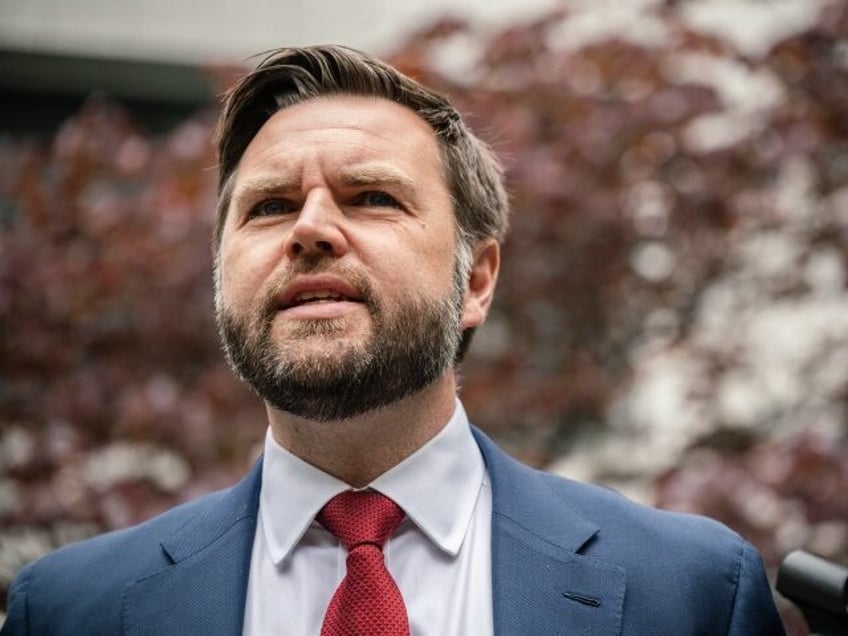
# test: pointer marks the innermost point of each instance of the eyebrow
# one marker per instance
(370, 174)
(264, 185)
(355, 176)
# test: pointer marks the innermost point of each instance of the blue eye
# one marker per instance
(272, 207)
(377, 199)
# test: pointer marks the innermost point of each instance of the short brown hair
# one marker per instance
(291, 75)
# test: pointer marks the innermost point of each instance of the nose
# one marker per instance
(318, 229)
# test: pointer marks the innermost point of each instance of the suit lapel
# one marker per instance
(541, 584)
(204, 590)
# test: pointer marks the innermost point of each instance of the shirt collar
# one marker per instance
(437, 487)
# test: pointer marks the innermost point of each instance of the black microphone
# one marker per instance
(820, 590)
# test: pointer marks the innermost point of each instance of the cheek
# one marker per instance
(243, 273)
(407, 267)
(440, 258)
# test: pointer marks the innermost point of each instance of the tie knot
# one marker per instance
(358, 517)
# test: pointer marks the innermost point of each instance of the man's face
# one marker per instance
(338, 289)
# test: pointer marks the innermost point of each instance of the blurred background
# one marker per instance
(672, 316)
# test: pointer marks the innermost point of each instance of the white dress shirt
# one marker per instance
(440, 555)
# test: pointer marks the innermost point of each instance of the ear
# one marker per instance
(481, 282)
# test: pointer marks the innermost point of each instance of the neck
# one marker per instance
(357, 450)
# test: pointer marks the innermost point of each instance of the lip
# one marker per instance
(350, 297)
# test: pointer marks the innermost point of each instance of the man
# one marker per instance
(356, 250)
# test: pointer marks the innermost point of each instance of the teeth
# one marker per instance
(317, 295)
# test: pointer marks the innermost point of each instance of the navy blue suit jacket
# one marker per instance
(567, 558)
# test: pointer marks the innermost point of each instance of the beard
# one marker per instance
(407, 349)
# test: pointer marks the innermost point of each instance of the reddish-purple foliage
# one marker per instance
(115, 401)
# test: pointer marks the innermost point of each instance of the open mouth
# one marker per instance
(318, 297)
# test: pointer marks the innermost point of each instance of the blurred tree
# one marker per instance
(115, 400)
(672, 316)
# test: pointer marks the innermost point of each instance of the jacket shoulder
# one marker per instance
(535, 497)
(679, 568)
(83, 583)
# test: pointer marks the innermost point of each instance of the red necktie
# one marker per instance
(367, 601)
